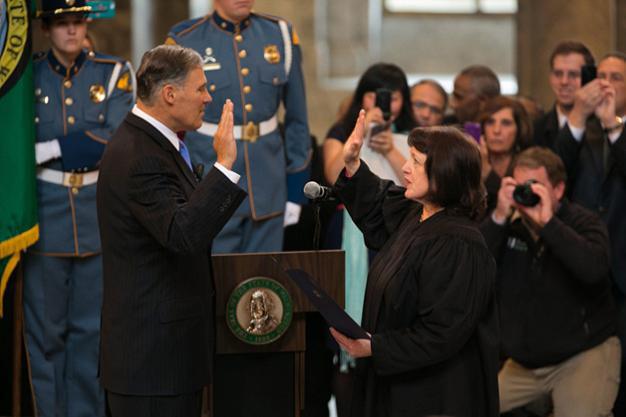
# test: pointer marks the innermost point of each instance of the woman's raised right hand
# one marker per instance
(352, 147)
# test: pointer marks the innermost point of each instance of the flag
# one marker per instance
(18, 201)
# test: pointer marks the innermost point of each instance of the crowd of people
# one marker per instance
(485, 239)
(559, 259)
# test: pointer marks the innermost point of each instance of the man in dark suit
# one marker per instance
(592, 145)
(566, 60)
(157, 222)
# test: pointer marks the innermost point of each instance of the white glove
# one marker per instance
(292, 213)
(45, 151)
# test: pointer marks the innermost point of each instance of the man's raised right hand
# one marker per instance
(224, 139)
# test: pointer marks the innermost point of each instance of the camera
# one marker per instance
(587, 74)
(383, 101)
(524, 195)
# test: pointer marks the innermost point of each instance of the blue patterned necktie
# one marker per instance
(184, 152)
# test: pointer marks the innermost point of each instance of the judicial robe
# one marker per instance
(429, 305)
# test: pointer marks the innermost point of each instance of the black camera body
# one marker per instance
(588, 73)
(383, 101)
(524, 195)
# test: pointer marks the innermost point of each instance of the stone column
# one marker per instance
(620, 13)
(543, 24)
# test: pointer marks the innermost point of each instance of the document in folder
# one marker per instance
(330, 310)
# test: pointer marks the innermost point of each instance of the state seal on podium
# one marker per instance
(259, 311)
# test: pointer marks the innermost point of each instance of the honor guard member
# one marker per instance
(80, 99)
(254, 60)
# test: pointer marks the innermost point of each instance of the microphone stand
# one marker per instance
(318, 224)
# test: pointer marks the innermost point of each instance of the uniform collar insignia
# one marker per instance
(61, 70)
(227, 25)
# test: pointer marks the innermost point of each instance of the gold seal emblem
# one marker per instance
(259, 311)
(271, 54)
(14, 41)
(97, 93)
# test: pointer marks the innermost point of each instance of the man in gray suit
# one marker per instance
(157, 222)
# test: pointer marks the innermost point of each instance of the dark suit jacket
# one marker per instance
(156, 224)
(599, 188)
(546, 129)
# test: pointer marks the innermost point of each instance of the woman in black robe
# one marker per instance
(429, 303)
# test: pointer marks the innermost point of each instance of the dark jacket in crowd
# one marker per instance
(546, 129)
(596, 170)
(555, 292)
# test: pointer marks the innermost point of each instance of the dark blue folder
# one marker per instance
(334, 315)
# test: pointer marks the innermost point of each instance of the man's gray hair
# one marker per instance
(164, 64)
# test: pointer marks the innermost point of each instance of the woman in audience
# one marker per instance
(377, 76)
(507, 130)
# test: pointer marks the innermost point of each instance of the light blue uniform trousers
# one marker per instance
(62, 304)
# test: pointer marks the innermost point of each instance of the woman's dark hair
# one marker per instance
(453, 167)
(523, 138)
(381, 75)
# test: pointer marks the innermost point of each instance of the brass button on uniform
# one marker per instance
(275, 80)
(238, 38)
(36, 120)
(69, 101)
(101, 118)
(245, 71)
(75, 190)
(67, 84)
(243, 53)
(223, 25)
(247, 89)
(248, 107)
(212, 88)
(71, 120)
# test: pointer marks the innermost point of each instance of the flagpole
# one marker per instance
(18, 324)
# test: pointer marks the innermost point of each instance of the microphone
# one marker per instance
(314, 191)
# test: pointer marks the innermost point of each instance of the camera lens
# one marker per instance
(525, 196)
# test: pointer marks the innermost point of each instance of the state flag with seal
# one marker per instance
(18, 201)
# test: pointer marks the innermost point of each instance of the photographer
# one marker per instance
(556, 309)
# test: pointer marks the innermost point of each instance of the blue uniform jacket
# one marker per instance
(245, 63)
(81, 107)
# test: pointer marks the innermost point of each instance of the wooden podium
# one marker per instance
(267, 380)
